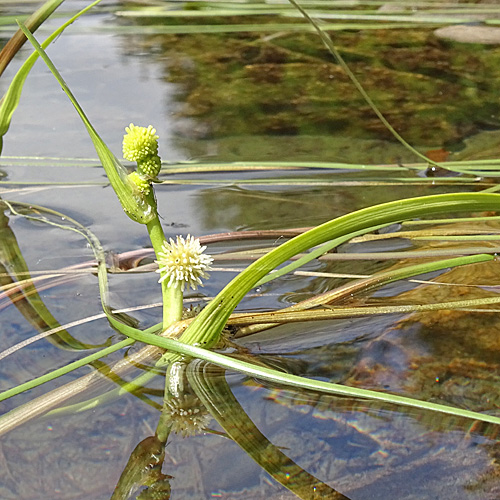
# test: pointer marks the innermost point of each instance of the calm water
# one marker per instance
(363, 450)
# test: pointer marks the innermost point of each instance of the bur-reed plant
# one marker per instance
(182, 262)
(136, 193)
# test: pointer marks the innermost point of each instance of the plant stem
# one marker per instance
(172, 311)
(172, 296)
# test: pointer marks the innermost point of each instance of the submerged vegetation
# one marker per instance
(288, 85)
(419, 255)
(285, 83)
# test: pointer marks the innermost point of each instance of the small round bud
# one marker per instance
(150, 166)
(143, 184)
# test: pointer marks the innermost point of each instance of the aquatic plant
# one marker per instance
(182, 263)
(207, 326)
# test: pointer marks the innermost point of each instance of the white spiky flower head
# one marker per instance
(139, 143)
(183, 261)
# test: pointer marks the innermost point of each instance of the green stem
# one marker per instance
(172, 308)
(172, 296)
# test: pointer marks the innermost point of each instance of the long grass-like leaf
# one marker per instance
(365, 285)
(10, 100)
(164, 29)
(209, 323)
(289, 316)
(31, 384)
(325, 38)
(11, 48)
(139, 207)
(287, 379)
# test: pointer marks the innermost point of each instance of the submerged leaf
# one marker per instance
(211, 387)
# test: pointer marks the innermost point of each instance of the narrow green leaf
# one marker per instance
(31, 384)
(314, 254)
(139, 207)
(10, 100)
(209, 384)
(295, 381)
(208, 324)
(327, 41)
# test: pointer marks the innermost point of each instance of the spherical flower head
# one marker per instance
(150, 166)
(188, 416)
(183, 261)
(139, 143)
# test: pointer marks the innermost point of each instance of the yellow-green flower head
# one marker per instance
(188, 416)
(142, 184)
(150, 166)
(183, 261)
(139, 143)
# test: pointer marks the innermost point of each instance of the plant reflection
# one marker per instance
(205, 390)
(16, 283)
